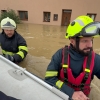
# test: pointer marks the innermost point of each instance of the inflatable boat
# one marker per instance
(17, 82)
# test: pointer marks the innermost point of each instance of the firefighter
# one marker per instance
(72, 67)
(13, 45)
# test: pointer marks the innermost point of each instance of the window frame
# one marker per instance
(24, 14)
(46, 16)
(92, 14)
(55, 17)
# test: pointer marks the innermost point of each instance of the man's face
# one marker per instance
(9, 33)
(85, 44)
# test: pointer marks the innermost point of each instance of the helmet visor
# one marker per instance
(93, 29)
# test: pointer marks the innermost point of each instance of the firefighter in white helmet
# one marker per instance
(13, 45)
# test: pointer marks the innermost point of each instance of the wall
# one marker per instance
(35, 8)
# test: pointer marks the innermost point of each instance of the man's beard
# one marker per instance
(85, 53)
(82, 51)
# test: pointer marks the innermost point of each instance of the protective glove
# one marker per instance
(9, 57)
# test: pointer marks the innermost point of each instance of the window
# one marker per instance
(46, 16)
(23, 15)
(55, 17)
(2, 11)
(93, 16)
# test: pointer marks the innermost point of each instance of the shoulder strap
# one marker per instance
(65, 62)
(88, 69)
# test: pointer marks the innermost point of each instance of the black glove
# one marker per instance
(9, 57)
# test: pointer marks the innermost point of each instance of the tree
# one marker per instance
(11, 14)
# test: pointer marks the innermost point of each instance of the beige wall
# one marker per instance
(35, 8)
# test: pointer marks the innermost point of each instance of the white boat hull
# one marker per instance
(30, 88)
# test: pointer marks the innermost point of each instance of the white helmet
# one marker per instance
(8, 23)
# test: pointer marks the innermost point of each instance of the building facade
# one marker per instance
(52, 12)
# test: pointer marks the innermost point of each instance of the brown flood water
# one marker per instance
(43, 41)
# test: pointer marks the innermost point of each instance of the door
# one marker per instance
(66, 15)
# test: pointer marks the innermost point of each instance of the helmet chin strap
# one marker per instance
(77, 43)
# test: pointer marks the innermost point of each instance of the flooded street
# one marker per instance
(43, 41)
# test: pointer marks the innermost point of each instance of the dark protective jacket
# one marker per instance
(15, 46)
(76, 62)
